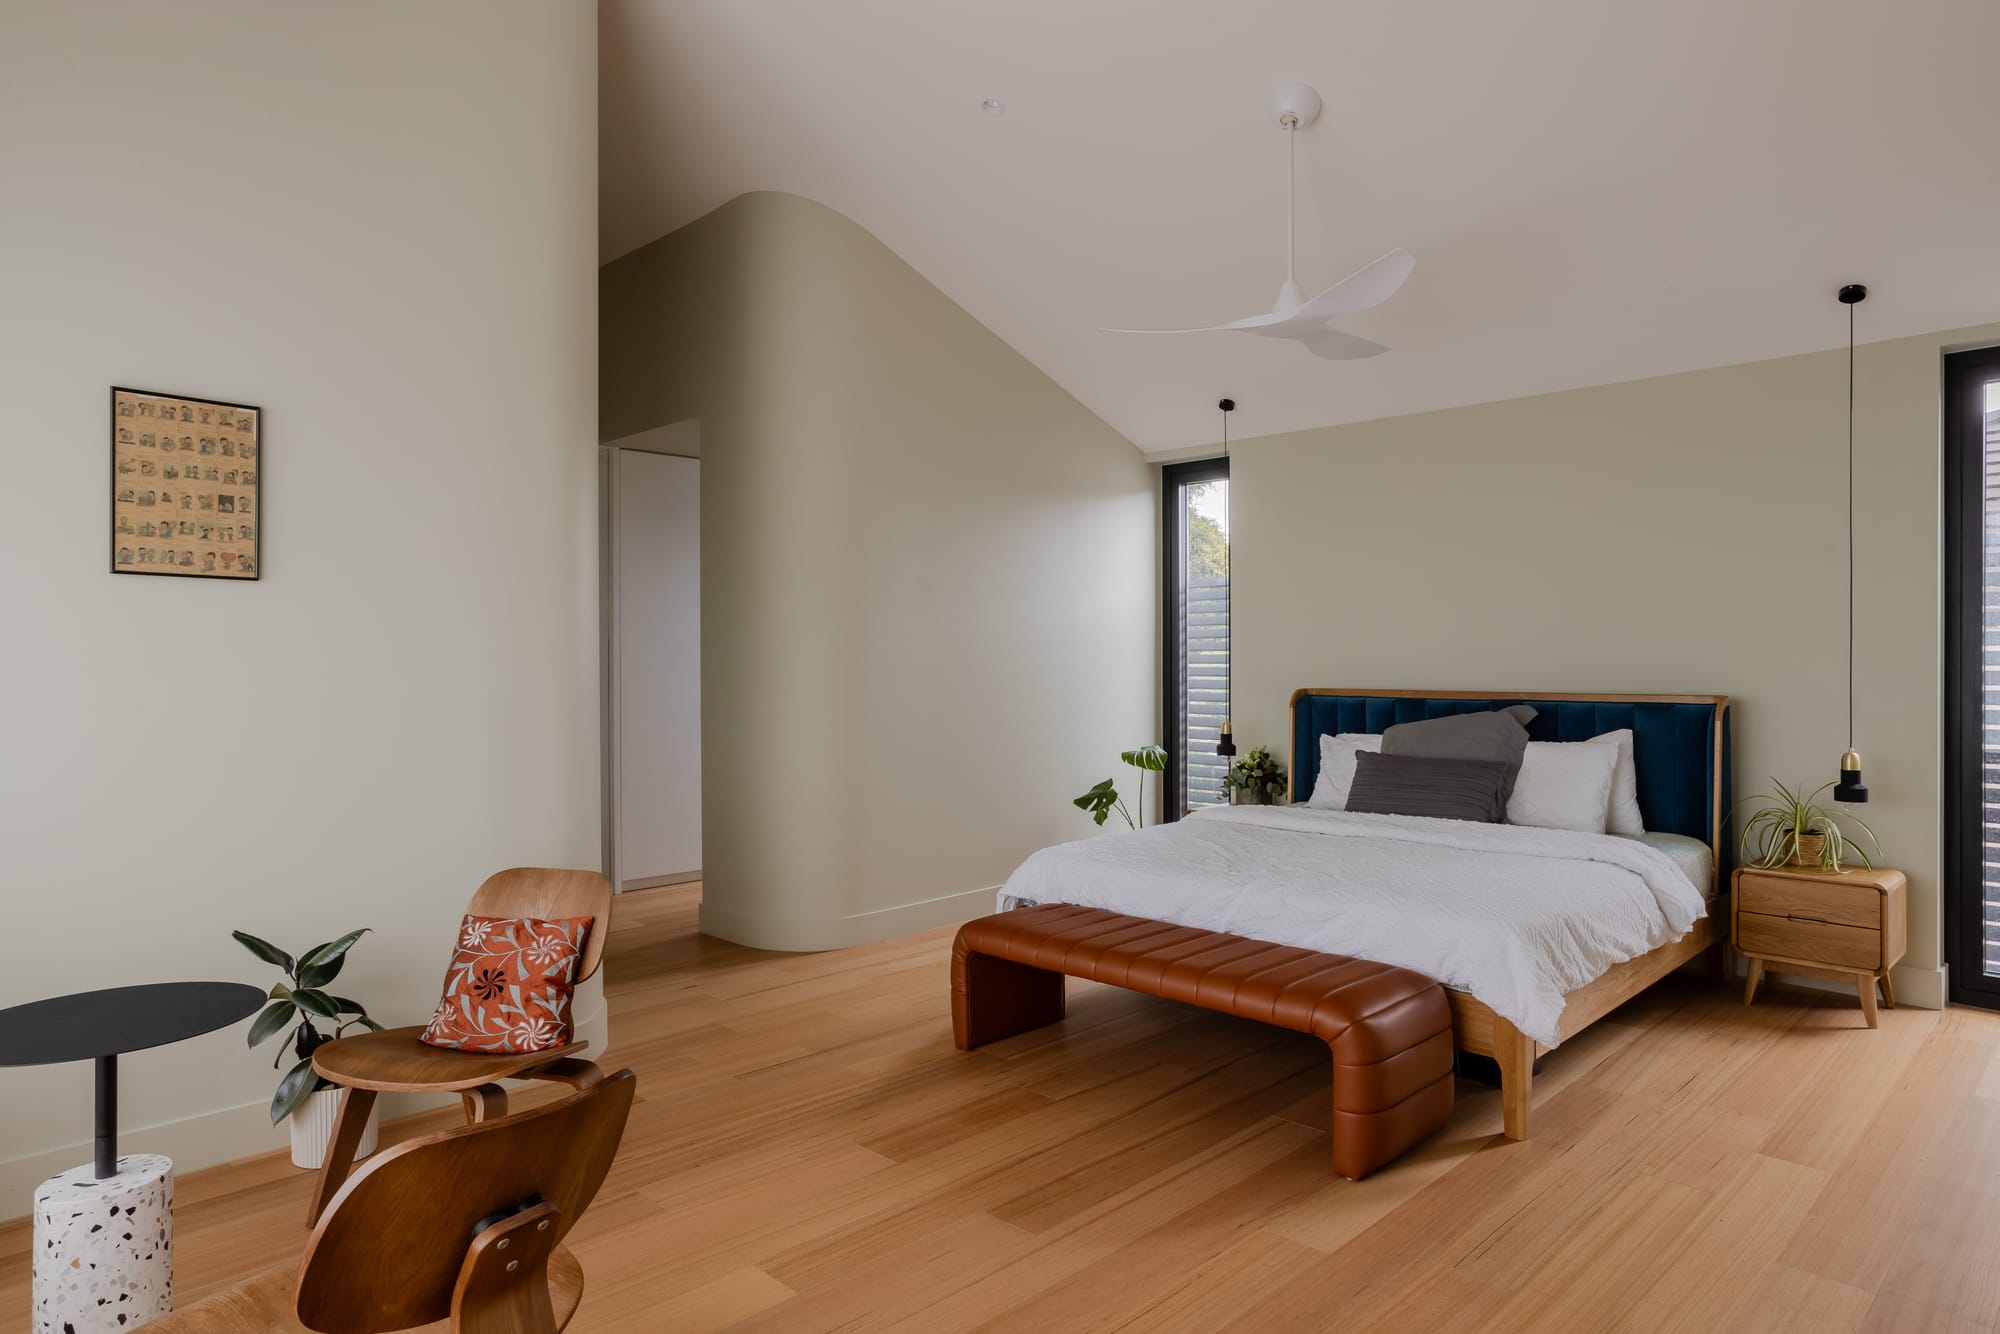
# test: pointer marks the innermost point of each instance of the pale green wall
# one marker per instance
(377, 222)
(1680, 534)
(928, 574)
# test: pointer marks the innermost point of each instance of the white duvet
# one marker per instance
(1515, 915)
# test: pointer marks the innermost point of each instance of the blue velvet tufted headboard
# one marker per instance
(1680, 743)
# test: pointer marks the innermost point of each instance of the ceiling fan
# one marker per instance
(1295, 106)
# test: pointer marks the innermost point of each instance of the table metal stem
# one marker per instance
(107, 1117)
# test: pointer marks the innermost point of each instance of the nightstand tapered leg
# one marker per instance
(1750, 981)
(1888, 992)
(1865, 988)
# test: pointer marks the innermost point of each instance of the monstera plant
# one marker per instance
(302, 998)
(1103, 799)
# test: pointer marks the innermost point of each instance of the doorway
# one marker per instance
(650, 499)
(1972, 675)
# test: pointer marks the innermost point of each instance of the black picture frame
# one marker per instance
(229, 493)
(1964, 468)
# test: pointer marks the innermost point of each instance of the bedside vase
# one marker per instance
(312, 1128)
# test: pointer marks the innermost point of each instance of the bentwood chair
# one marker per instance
(394, 1061)
(456, 1232)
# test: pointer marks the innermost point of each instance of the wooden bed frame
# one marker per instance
(1475, 1027)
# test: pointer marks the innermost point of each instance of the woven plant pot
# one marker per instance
(1811, 847)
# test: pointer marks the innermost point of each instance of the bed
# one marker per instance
(1535, 934)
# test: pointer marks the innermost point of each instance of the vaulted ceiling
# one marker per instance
(1594, 191)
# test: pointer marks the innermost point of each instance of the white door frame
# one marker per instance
(682, 439)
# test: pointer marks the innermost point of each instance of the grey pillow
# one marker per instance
(1497, 734)
(1417, 785)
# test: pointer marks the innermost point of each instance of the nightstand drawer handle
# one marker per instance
(1801, 917)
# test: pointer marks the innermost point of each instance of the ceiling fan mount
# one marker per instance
(1295, 106)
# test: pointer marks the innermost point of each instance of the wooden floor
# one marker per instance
(810, 1153)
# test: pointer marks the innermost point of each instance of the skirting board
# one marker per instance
(1923, 988)
(800, 935)
(221, 1136)
(657, 881)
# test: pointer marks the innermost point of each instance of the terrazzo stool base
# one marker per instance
(104, 1249)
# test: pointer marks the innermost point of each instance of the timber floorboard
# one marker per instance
(809, 1152)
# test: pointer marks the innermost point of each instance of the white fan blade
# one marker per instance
(1334, 345)
(1360, 290)
(1250, 322)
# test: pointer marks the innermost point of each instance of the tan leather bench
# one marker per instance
(1389, 1028)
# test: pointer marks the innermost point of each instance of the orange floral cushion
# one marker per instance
(509, 985)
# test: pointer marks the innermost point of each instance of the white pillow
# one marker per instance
(1564, 785)
(1623, 817)
(1336, 767)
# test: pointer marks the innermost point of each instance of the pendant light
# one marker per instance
(1225, 744)
(1850, 788)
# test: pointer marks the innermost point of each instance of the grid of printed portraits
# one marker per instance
(184, 486)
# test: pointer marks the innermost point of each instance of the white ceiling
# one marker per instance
(1595, 190)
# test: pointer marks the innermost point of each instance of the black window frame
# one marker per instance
(1174, 476)
(1963, 444)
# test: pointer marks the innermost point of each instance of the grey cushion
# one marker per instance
(1498, 734)
(1418, 785)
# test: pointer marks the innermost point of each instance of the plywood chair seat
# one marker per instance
(394, 1061)
(263, 1305)
(459, 1231)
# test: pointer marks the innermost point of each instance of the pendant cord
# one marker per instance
(1850, 526)
(1291, 173)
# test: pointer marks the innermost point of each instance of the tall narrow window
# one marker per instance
(1972, 675)
(1195, 597)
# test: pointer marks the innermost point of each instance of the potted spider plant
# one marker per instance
(1791, 828)
(301, 1004)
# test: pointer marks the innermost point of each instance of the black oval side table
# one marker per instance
(90, 1274)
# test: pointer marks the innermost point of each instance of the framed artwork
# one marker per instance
(185, 494)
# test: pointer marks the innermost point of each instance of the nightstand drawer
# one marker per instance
(1843, 903)
(1808, 941)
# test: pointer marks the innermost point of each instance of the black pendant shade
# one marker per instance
(1850, 788)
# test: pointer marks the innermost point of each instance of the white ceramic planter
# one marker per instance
(312, 1129)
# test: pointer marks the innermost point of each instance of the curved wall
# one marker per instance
(928, 574)
(376, 221)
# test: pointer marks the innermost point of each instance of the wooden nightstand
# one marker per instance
(1845, 927)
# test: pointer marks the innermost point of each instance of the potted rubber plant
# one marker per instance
(1791, 828)
(1258, 779)
(314, 1016)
